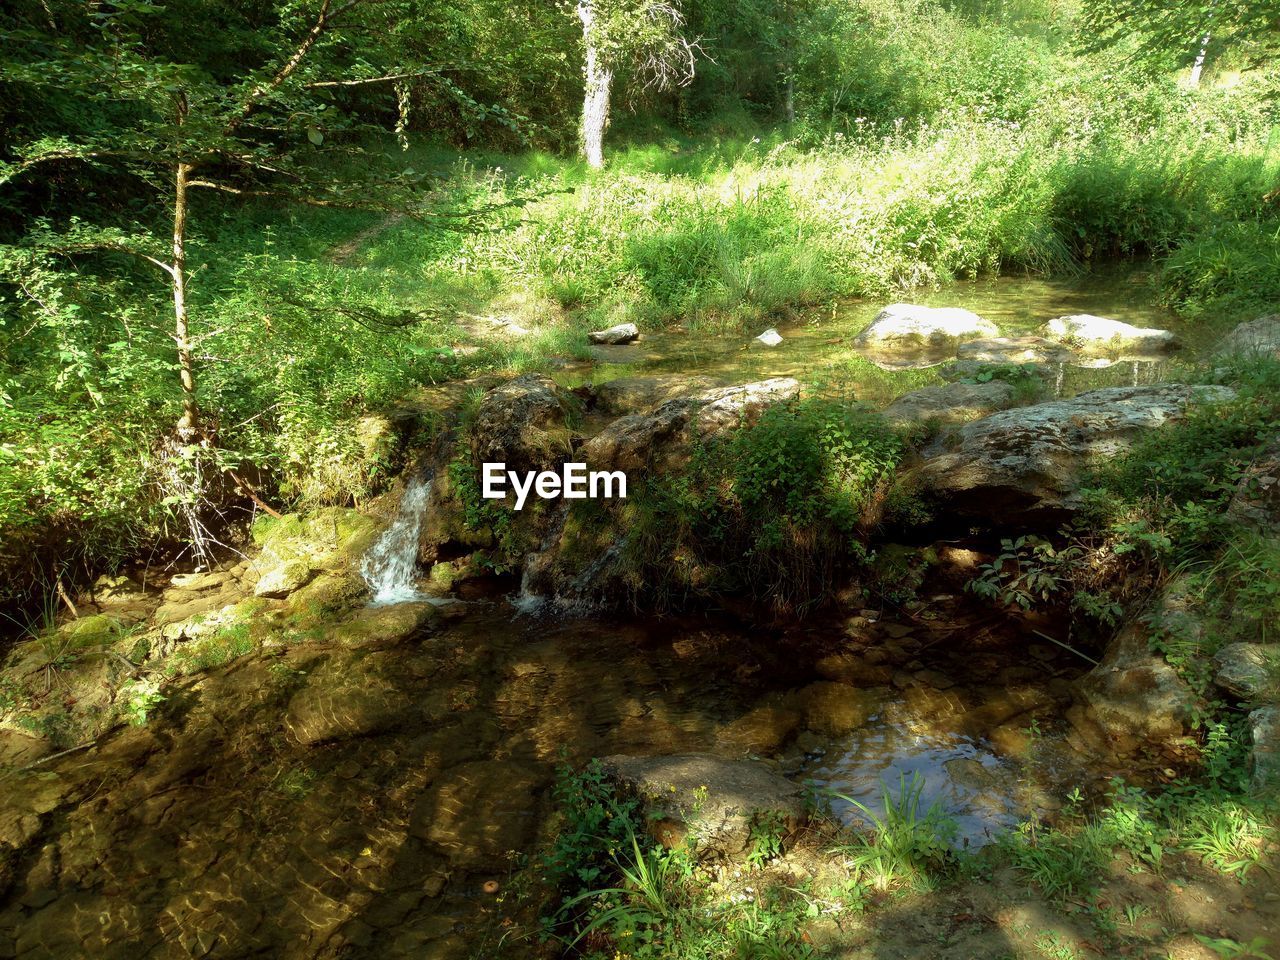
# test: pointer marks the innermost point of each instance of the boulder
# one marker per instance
(914, 324)
(663, 439)
(278, 582)
(1034, 459)
(1260, 337)
(1014, 350)
(618, 333)
(1256, 502)
(950, 403)
(1264, 727)
(628, 395)
(384, 626)
(711, 801)
(1133, 696)
(1085, 331)
(523, 423)
(770, 338)
(1250, 671)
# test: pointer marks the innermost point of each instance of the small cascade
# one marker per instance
(391, 565)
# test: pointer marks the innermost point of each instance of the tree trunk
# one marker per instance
(189, 422)
(595, 103)
(1198, 67)
(789, 98)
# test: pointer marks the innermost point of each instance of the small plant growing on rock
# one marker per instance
(138, 698)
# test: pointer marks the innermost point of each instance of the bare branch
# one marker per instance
(365, 80)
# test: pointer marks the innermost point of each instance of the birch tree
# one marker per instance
(643, 39)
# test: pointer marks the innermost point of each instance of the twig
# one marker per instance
(55, 756)
(1066, 646)
(62, 592)
(253, 495)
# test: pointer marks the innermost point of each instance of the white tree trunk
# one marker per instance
(595, 103)
(1198, 67)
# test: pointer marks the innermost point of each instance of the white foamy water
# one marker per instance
(391, 565)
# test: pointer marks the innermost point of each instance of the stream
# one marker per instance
(219, 830)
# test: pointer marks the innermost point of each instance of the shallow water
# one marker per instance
(816, 345)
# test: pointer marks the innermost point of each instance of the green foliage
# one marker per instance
(766, 838)
(909, 844)
(782, 506)
(139, 698)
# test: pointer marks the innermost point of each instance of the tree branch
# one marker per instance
(364, 80)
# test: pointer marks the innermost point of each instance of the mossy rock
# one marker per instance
(384, 625)
(93, 631)
(327, 594)
(327, 538)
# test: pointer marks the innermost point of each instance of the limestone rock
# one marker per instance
(835, 709)
(278, 582)
(1086, 331)
(1264, 726)
(715, 800)
(1014, 350)
(1250, 671)
(640, 394)
(381, 626)
(770, 338)
(479, 811)
(522, 423)
(1134, 695)
(911, 323)
(1254, 337)
(618, 333)
(341, 700)
(950, 403)
(1034, 458)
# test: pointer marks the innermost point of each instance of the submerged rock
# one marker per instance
(835, 709)
(950, 403)
(1014, 350)
(618, 333)
(716, 802)
(1260, 337)
(480, 811)
(340, 700)
(915, 324)
(1086, 331)
(1250, 671)
(1034, 458)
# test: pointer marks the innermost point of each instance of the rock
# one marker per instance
(835, 709)
(1264, 726)
(994, 351)
(619, 333)
(330, 538)
(641, 394)
(762, 730)
(378, 626)
(770, 338)
(950, 403)
(1250, 671)
(713, 800)
(1033, 459)
(1260, 337)
(198, 582)
(479, 811)
(328, 593)
(663, 438)
(523, 423)
(341, 700)
(1256, 502)
(278, 582)
(1087, 332)
(1134, 696)
(914, 324)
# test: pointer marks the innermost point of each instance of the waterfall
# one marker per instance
(390, 566)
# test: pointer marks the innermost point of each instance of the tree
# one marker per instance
(1178, 33)
(146, 102)
(642, 37)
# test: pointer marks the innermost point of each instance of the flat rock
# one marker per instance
(1014, 350)
(280, 581)
(912, 323)
(950, 403)
(1086, 331)
(718, 801)
(1250, 671)
(1034, 459)
(618, 333)
(628, 395)
(337, 705)
(1260, 337)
